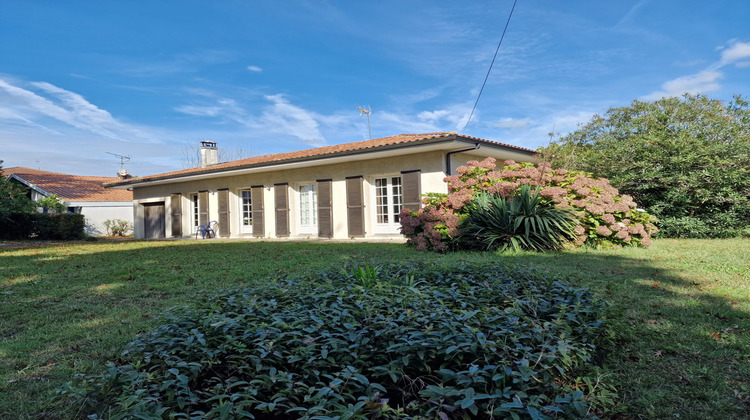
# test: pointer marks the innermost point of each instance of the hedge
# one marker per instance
(60, 226)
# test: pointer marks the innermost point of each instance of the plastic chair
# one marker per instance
(207, 230)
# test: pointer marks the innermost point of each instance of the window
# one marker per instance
(388, 203)
(308, 209)
(246, 211)
(194, 213)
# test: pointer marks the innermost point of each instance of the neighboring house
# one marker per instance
(82, 194)
(352, 190)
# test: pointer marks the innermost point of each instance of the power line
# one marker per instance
(491, 64)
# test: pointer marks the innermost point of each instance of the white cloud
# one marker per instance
(511, 123)
(255, 69)
(705, 81)
(708, 79)
(72, 109)
(737, 51)
(284, 118)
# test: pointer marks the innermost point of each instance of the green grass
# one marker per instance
(680, 311)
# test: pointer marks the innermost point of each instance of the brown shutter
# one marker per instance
(325, 209)
(175, 208)
(202, 207)
(410, 181)
(224, 229)
(281, 205)
(256, 197)
(355, 214)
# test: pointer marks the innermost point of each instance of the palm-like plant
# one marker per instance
(523, 222)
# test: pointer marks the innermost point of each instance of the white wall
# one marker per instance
(96, 212)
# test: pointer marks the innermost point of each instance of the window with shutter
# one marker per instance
(411, 189)
(224, 226)
(257, 199)
(281, 206)
(355, 214)
(175, 209)
(325, 208)
(202, 207)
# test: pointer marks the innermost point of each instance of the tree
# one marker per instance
(52, 203)
(14, 198)
(686, 160)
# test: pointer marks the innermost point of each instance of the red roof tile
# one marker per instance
(322, 152)
(70, 187)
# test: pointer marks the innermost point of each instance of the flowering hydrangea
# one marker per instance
(606, 218)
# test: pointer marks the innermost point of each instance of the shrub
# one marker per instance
(680, 157)
(43, 226)
(522, 222)
(605, 218)
(117, 227)
(52, 203)
(403, 341)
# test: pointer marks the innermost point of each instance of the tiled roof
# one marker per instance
(70, 187)
(324, 152)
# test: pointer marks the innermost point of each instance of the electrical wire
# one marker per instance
(491, 64)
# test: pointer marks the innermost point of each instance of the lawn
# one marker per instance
(680, 311)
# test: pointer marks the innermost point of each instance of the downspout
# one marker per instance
(448, 158)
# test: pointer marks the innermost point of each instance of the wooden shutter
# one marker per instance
(325, 208)
(256, 197)
(202, 207)
(281, 206)
(224, 228)
(175, 209)
(355, 208)
(410, 181)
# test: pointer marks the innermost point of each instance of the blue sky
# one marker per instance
(150, 78)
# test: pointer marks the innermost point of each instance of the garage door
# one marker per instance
(154, 222)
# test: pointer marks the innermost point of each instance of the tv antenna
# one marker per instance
(366, 111)
(123, 159)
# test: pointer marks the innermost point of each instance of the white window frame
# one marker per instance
(245, 212)
(194, 212)
(307, 225)
(385, 216)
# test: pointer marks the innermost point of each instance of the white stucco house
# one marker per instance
(352, 190)
(82, 194)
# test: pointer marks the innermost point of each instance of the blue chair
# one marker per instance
(208, 230)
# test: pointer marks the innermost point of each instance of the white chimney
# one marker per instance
(209, 153)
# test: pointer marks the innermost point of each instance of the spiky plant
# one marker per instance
(523, 222)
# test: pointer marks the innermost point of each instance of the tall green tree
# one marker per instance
(686, 160)
(14, 197)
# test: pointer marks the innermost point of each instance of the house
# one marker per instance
(352, 190)
(82, 194)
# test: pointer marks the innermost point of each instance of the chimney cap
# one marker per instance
(208, 143)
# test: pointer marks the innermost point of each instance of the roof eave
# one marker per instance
(30, 185)
(404, 145)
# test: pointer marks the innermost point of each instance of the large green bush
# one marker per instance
(407, 341)
(685, 160)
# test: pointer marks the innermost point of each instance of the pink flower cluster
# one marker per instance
(606, 218)
(430, 228)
